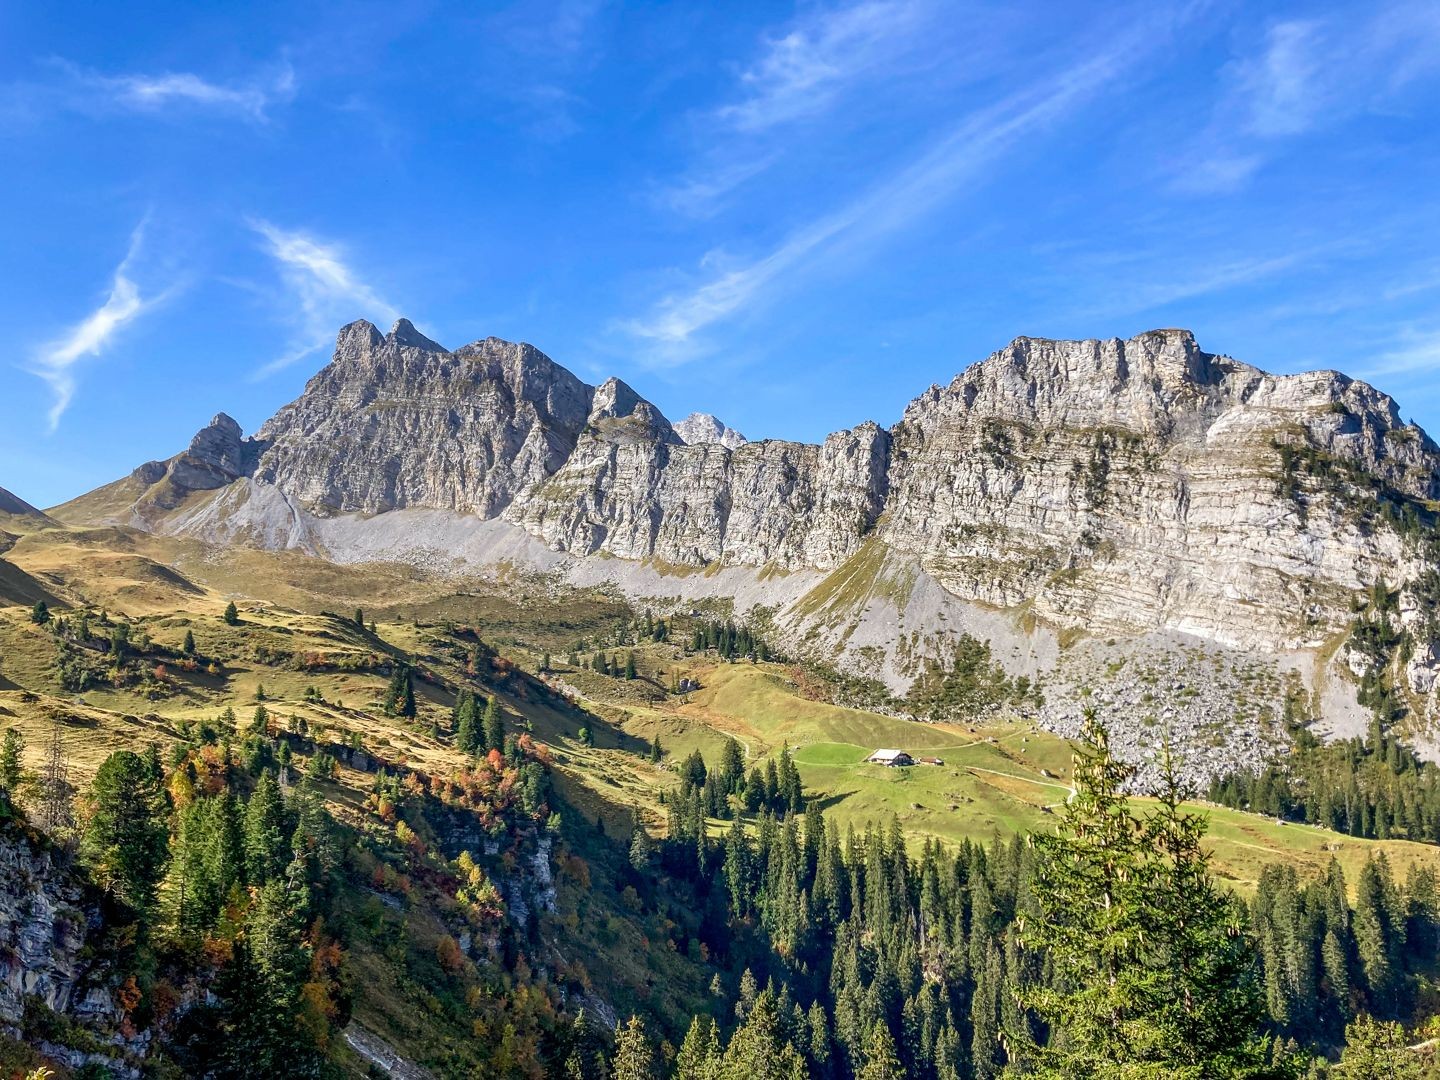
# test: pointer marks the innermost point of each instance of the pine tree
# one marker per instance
(656, 751)
(265, 829)
(188, 648)
(232, 614)
(359, 619)
(40, 613)
(11, 750)
(630, 665)
(468, 736)
(881, 1060)
(757, 1050)
(585, 1054)
(1379, 936)
(1376, 1050)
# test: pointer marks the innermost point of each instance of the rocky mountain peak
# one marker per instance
(618, 413)
(404, 333)
(218, 445)
(356, 339)
(699, 428)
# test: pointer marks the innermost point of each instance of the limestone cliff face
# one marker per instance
(49, 954)
(1114, 486)
(1145, 483)
(396, 421)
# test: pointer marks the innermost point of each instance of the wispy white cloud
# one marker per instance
(962, 155)
(1413, 352)
(799, 72)
(1304, 75)
(323, 291)
(170, 91)
(1281, 89)
(56, 362)
(799, 77)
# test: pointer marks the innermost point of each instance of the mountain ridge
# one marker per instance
(1127, 487)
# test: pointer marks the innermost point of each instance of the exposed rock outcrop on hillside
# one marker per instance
(49, 960)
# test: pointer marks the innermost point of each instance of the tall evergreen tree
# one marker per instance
(125, 839)
(699, 1057)
(634, 1053)
(1151, 971)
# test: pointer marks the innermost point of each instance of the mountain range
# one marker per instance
(1075, 504)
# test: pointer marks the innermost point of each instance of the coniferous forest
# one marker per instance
(1101, 948)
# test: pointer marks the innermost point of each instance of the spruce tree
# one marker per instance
(265, 831)
(634, 1053)
(11, 749)
(1151, 968)
(758, 1050)
(494, 724)
(881, 1060)
(188, 648)
(232, 614)
(468, 735)
(125, 840)
(699, 1056)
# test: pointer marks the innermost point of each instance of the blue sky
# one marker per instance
(794, 216)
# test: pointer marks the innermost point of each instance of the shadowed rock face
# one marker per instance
(1128, 485)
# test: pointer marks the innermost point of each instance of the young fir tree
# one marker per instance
(232, 614)
(188, 648)
(40, 613)
(11, 749)
(881, 1060)
(468, 736)
(630, 665)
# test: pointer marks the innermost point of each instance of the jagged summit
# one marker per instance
(701, 427)
(404, 333)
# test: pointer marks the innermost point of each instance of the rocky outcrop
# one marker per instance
(701, 427)
(49, 959)
(1145, 484)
